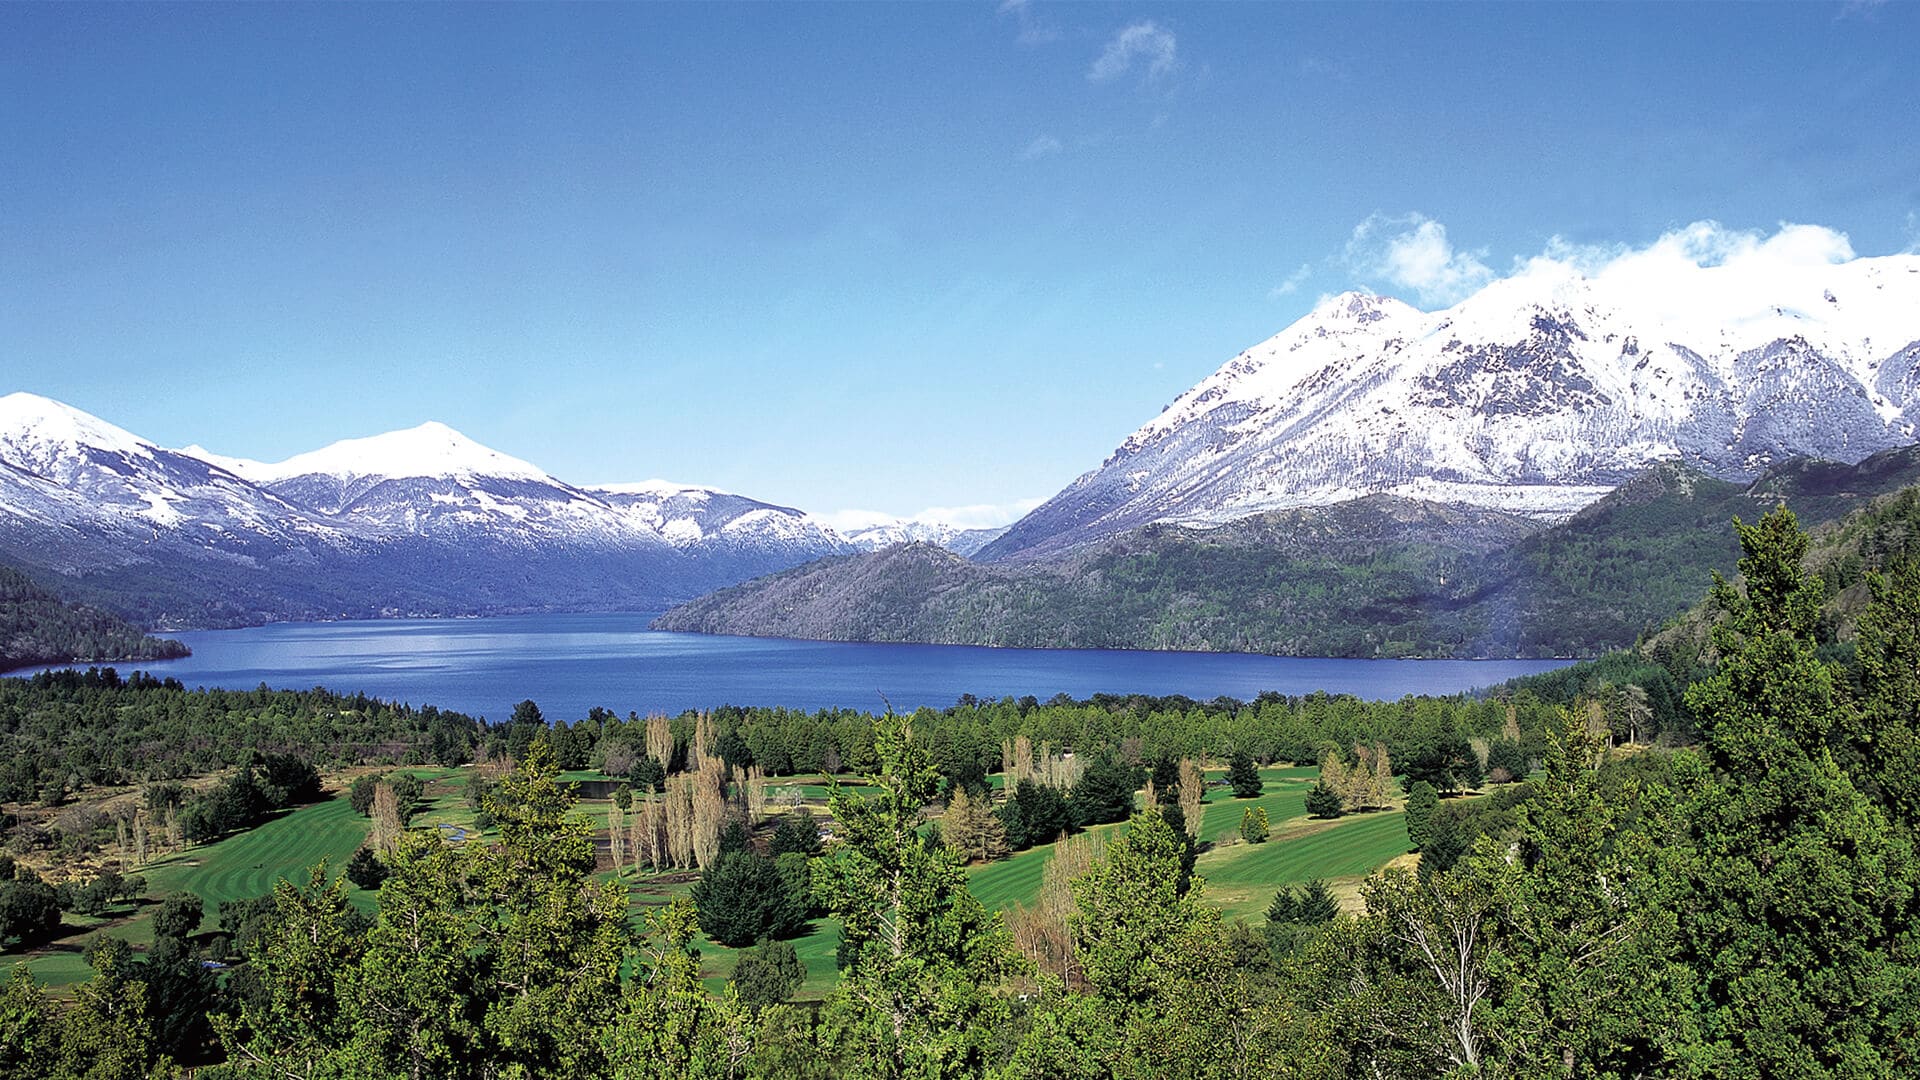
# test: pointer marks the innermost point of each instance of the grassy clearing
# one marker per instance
(1242, 878)
(238, 867)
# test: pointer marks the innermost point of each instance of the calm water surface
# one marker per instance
(569, 663)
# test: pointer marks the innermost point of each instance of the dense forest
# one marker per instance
(64, 731)
(1379, 576)
(37, 627)
(1746, 904)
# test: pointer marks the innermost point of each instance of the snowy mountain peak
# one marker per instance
(44, 436)
(1536, 394)
(1361, 308)
(431, 450)
(254, 472)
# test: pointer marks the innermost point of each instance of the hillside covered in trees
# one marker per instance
(1377, 577)
(37, 627)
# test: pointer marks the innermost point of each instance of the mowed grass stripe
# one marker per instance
(247, 865)
(1241, 879)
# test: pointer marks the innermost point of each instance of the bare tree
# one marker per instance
(660, 740)
(709, 811)
(1193, 794)
(387, 826)
(1041, 930)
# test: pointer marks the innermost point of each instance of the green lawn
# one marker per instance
(1242, 878)
(240, 866)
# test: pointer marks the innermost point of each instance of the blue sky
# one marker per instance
(875, 256)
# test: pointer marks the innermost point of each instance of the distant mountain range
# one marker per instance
(1374, 480)
(1541, 469)
(416, 522)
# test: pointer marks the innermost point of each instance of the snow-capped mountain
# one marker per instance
(80, 493)
(421, 521)
(1537, 395)
(955, 538)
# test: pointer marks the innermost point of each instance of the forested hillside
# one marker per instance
(1380, 576)
(37, 627)
(63, 731)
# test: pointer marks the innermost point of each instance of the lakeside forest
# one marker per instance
(1696, 859)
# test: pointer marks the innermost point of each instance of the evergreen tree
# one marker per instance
(298, 1020)
(668, 1026)
(1166, 781)
(1152, 952)
(1243, 775)
(768, 974)
(742, 898)
(1421, 801)
(798, 832)
(554, 938)
(365, 870)
(1324, 802)
(919, 954)
(1582, 929)
(1312, 905)
(1103, 793)
(1883, 735)
(1042, 815)
(1802, 922)
(418, 991)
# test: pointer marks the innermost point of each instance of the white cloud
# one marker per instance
(1913, 233)
(1145, 44)
(1033, 29)
(1041, 147)
(1292, 284)
(1412, 251)
(1703, 273)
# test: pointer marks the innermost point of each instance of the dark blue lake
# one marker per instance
(569, 663)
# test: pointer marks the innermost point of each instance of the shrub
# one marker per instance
(1254, 827)
(769, 974)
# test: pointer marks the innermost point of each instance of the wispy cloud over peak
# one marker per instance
(1412, 251)
(1145, 46)
(1292, 283)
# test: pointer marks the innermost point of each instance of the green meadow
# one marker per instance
(1241, 878)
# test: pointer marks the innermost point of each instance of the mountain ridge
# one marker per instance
(1536, 395)
(1380, 576)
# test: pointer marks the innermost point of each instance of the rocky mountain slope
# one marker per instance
(1376, 576)
(1535, 396)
